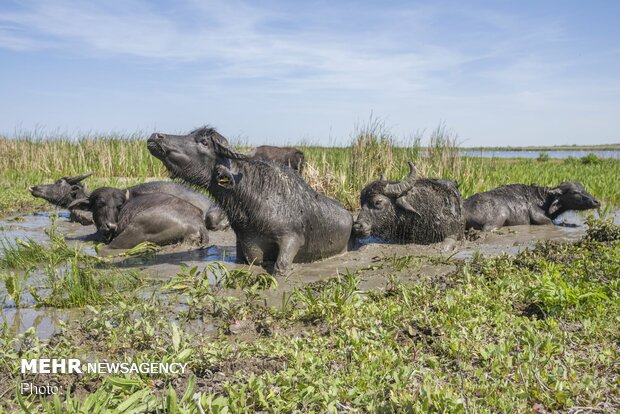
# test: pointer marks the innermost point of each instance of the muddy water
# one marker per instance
(166, 263)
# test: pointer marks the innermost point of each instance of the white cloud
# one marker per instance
(233, 41)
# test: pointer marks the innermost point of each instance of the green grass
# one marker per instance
(122, 160)
(499, 334)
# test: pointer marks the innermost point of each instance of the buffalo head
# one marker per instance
(193, 157)
(381, 202)
(62, 192)
(570, 196)
(105, 203)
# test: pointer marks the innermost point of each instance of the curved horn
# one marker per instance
(394, 190)
(76, 179)
(222, 147)
(382, 178)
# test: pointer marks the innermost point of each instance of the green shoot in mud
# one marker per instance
(75, 285)
(329, 299)
(204, 290)
(15, 284)
(217, 275)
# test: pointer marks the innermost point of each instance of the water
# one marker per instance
(535, 154)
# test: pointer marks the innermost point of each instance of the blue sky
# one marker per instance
(495, 72)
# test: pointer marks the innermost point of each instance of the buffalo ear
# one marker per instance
(80, 204)
(402, 203)
(554, 207)
(222, 147)
(224, 177)
(74, 190)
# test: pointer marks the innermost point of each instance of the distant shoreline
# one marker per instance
(602, 147)
(395, 144)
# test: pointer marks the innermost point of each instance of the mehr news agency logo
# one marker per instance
(75, 366)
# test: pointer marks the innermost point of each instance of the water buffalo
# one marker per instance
(215, 217)
(277, 217)
(421, 211)
(125, 220)
(63, 192)
(516, 204)
(107, 203)
(292, 157)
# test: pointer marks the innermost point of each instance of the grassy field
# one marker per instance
(338, 172)
(536, 332)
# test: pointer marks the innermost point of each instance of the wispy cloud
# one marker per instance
(234, 40)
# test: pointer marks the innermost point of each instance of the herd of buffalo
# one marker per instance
(278, 219)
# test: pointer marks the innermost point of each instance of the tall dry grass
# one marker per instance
(109, 156)
(375, 151)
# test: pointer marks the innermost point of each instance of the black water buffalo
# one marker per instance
(125, 220)
(107, 203)
(517, 204)
(63, 192)
(277, 217)
(67, 190)
(215, 217)
(292, 157)
(421, 211)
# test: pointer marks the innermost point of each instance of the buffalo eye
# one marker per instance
(204, 141)
(378, 203)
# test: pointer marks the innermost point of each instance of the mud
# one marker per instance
(375, 261)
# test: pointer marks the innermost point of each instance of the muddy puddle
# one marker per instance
(369, 256)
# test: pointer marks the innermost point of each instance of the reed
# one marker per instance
(339, 172)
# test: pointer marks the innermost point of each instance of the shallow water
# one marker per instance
(536, 154)
(166, 263)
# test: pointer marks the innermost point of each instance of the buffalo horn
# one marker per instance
(394, 190)
(77, 178)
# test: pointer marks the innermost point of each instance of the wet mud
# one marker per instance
(374, 261)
